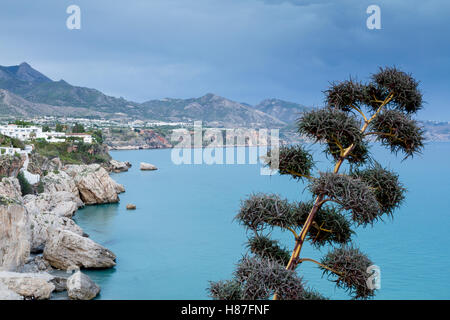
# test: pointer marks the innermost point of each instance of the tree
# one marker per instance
(78, 128)
(360, 194)
(46, 128)
(60, 128)
(25, 186)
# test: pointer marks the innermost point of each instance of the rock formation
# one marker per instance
(14, 234)
(30, 285)
(81, 287)
(65, 249)
(147, 166)
(94, 184)
(118, 166)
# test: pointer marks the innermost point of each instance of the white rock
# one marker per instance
(29, 285)
(59, 203)
(43, 224)
(147, 166)
(118, 166)
(94, 184)
(81, 287)
(6, 294)
(61, 181)
(10, 188)
(14, 234)
(65, 249)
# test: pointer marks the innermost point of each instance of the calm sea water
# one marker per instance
(182, 234)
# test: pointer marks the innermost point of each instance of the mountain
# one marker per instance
(287, 112)
(27, 92)
(213, 110)
(12, 105)
(35, 87)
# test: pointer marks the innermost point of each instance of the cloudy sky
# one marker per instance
(245, 50)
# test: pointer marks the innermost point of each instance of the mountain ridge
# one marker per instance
(28, 92)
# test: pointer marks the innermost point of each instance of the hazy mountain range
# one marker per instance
(25, 92)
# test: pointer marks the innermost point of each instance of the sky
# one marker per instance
(244, 50)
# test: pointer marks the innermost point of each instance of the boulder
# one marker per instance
(66, 250)
(94, 184)
(59, 181)
(6, 294)
(14, 234)
(81, 287)
(59, 203)
(148, 166)
(10, 188)
(36, 264)
(42, 226)
(118, 166)
(30, 285)
(131, 207)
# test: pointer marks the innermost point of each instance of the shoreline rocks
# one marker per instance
(43, 223)
(131, 207)
(118, 166)
(29, 285)
(94, 184)
(81, 287)
(65, 249)
(147, 167)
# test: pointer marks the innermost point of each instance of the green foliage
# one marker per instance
(260, 278)
(350, 193)
(25, 186)
(407, 96)
(267, 248)
(73, 152)
(328, 227)
(386, 186)
(46, 128)
(6, 141)
(60, 128)
(98, 136)
(40, 187)
(336, 128)
(293, 160)
(225, 290)
(261, 210)
(350, 266)
(399, 132)
(78, 128)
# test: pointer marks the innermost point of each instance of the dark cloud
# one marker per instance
(243, 49)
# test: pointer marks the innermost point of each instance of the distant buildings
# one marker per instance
(24, 133)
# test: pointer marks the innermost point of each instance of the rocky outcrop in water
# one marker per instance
(94, 184)
(81, 287)
(147, 166)
(118, 166)
(65, 249)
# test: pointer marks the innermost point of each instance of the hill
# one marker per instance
(213, 110)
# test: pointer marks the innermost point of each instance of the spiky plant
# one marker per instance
(362, 195)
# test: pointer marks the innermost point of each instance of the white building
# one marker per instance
(34, 132)
(21, 133)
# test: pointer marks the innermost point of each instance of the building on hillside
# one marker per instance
(20, 132)
(87, 138)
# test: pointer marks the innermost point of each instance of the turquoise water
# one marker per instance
(182, 234)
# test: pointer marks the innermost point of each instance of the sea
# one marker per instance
(183, 233)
